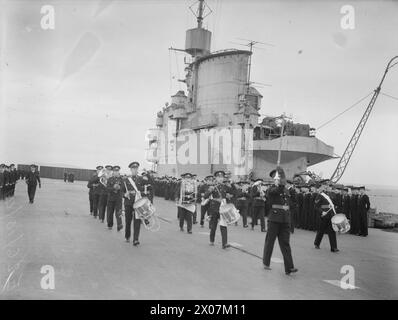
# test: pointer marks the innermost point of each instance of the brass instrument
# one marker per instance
(188, 194)
(104, 175)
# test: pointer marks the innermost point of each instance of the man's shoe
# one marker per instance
(190, 232)
(335, 250)
(212, 243)
(263, 230)
(225, 246)
(291, 271)
(127, 240)
(109, 228)
(182, 229)
(136, 242)
(119, 228)
(317, 247)
(202, 226)
(267, 267)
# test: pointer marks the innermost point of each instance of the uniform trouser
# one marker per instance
(195, 214)
(12, 189)
(185, 215)
(114, 207)
(258, 213)
(203, 210)
(325, 226)
(282, 231)
(1, 193)
(213, 228)
(91, 200)
(96, 199)
(363, 223)
(129, 217)
(242, 206)
(102, 202)
(31, 191)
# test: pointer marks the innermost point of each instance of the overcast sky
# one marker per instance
(84, 93)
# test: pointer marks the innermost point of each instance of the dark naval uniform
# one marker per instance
(278, 227)
(216, 194)
(258, 205)
(354, 214)
(129, 207)
(115, 198)
(242, 203)
(363, 208)
(32, 179)
(325, 225)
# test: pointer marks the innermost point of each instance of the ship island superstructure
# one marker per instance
(214, 124)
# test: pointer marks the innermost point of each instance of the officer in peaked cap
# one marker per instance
(278, 222)
(32, 179)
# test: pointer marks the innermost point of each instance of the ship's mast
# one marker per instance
(200, 14)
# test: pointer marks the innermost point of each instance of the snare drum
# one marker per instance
(340, 223)
(229, 213)
(144, 208)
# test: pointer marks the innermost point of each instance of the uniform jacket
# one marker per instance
(278, 195)
(217, 194)
(139, 183)
(32, 178)
(258, 201)
(363, 203)
(321, 205)
(114, 193)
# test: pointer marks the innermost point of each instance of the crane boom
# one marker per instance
(345, 158)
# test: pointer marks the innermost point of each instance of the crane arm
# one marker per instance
(345, 158)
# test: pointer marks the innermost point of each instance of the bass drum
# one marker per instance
(340, 223)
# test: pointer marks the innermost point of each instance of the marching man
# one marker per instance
(218, 194)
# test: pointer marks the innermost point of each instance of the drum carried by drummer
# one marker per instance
(220, 208)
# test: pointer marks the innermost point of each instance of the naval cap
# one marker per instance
(219, 173)
(134, 164)
(109, 167)
(115, 168)
(99, 167)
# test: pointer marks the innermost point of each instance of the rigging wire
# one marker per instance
(341, 113)
(388, 95)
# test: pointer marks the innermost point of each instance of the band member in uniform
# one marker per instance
(103, 193)
(147, 185)
(130, 194)
(115, 199)
(32, 179)
(323, 209)
(204, 205)
(258, 198)
(278, 222)
(94, 184)
(217, 194)
(242, 197)
(363, 208)
(185, 195)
